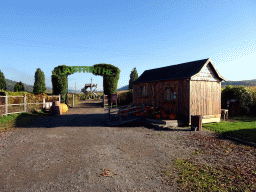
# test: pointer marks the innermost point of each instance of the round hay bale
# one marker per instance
(64, 107)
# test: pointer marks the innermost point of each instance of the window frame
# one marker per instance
(170, 94)
(144, 91)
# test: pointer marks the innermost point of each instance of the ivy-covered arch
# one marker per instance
(109, 73)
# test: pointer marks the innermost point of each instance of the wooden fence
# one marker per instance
(124, 108)
(45, 104)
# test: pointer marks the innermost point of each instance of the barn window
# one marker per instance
(170, 95)
(144, 91)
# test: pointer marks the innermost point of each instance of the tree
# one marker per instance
(2, 81)
(39, 84)
(133, 77)
(18, 87)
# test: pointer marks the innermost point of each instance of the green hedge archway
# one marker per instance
(60, 79)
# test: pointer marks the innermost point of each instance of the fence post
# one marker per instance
(108, 113)
(143, 109)
(120, 116)
(73, 101)
(103, 100)
(44, 103)
(25, 104)
(6, 103)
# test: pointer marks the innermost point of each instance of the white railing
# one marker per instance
(45, 104)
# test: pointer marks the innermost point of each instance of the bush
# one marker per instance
(91, 95)
(83, 97)
(125, 98)
(253, 108)
(240, 93)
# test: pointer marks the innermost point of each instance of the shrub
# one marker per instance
(253, 108)
(39, 84)
(83, 97)
(19, 87)
(240, 93)
(125, 98)
(91, 95)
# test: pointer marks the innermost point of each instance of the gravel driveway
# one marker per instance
(77, 152)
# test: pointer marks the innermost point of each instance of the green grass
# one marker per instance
(13, 121)
(199, 177)
(192, 177)
(244, 128)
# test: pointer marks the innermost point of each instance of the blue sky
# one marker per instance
(145, 34)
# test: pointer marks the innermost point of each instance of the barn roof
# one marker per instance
(179, 71)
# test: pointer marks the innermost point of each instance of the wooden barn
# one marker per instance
(192, 88)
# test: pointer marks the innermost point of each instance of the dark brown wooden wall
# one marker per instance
(205, 98)
(181, 87)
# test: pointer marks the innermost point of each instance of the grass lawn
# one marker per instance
(194, 177)
(242, 128)
(239, 175)
(13, 121)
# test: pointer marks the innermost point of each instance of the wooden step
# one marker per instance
(172, 123)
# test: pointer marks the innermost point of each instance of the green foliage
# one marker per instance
(133, 77)
(28, 88)
(240, 93)
(109, 81)
(83, 97)
(125, 97)
(100, 96)
(90, 95)
(39, 85)
(2, 81)
(252, 89)
(18, 87)
(60, 81)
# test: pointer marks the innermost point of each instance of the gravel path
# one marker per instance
(70, 152)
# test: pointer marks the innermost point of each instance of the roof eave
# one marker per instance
(162, 80)
(206, 63)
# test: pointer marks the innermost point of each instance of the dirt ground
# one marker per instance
(78, 152)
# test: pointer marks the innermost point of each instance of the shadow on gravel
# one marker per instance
(74, 120)
(243, 136)
(140, 124)
(90, 105)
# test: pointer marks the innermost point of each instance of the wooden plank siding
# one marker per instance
(205, 98)
(156, 93)
(197, 85)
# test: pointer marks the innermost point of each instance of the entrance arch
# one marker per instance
(109, 73)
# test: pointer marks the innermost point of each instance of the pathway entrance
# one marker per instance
(77, 152)
(89, 103)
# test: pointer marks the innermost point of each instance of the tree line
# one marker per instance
(39, 84)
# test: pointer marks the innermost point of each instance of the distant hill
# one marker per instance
(29, 88)
(238, 83)
(124, 88)
(223, 84)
